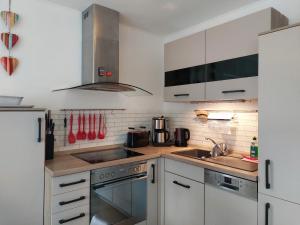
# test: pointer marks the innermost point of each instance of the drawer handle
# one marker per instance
(73, 183)
(73, 218)
(182, 185)
(72, 201)
(181, 95)
(233, 91)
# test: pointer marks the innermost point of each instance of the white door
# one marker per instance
(22, 169)
(273, 211)
(152, 195)
(279, 110)
(227, 208)
(184, 201)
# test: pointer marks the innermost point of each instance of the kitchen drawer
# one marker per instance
(70, 200)
(185, 93)
(76, 216)
(185, 170)
(71, 182)
(243, 88)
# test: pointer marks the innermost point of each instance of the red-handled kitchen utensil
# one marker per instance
(79, 135)
(102, 127)
(83, 133)
(99, 129)
(94, 128)
(72, 138)
(90, 133)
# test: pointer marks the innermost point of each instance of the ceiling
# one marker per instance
(163, 17)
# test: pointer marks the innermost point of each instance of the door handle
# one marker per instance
(70, 219)
(267, 208)
(153, 173)
(182, 185)
(72, 201)
(268, 163)
(39, 130)
(233, 91)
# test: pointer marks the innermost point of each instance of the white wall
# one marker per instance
(49, 52)
(290, 8)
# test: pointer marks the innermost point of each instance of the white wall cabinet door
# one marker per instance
(273, 211)
(279, 110)
(185, 93)
(184, 201)
(22, 168)
(185, 52)
(152, 192)
(239, 37)
(242, 88)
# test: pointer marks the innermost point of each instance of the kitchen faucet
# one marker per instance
(218, 149)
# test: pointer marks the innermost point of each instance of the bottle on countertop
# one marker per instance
(254, 148)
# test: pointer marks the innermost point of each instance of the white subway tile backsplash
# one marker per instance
(237, 133)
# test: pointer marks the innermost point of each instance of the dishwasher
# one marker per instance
(229, 200)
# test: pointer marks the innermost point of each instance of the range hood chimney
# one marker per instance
(100, 52)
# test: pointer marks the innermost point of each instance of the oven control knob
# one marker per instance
(112, 174)
(101, 176)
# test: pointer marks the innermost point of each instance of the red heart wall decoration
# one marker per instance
(9, 64)
(9, 39)
(9, 18)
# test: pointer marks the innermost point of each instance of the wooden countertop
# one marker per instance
(64, 163)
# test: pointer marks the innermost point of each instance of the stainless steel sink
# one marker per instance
(229, 161)
(194, 153)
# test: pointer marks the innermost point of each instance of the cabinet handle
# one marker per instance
(181, 95)
(268, 163)
(73, 183)
(153, 173)
(72, 201)
(267, 208)
(39, 130)
(233, 91)
(182, 185)
(70, 219)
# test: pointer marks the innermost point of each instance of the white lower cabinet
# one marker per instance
(274, 211)
(67, 199)
(76, 216)
(184, 201)
(223, 207)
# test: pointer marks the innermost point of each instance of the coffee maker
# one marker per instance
(160, 133)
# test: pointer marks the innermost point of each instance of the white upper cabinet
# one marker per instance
(279, 110)
(220, 63)
(239, 37)
(185, 52)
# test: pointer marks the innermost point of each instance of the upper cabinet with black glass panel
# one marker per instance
(233, 68)
(239, 37)
(220, 63)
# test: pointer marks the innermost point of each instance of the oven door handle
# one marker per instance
(119, 181)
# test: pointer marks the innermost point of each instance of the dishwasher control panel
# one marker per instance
(230, 183)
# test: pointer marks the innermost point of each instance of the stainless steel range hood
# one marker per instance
(100, 52)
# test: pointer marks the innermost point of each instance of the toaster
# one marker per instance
(137, 137)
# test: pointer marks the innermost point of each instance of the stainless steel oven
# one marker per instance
(119, 195)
